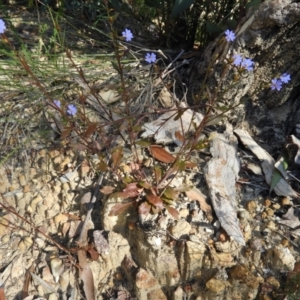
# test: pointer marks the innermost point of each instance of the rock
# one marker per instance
(244, 275)
(286, 201)
(156, 294)
(191, 262)
(280, 259)
(181, 229)
(251, 206)
(57, 268)
(145, 280)
(60, 218)
(52, 297)
(272, 280)
(215, 285)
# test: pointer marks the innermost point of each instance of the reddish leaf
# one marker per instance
(130, 191)
(93, 253)
(106, 190)
(144, 208)
(90, 130)
(179, 136)
(155, 200)
(173, 212)
(66, 132)
(117, 156)
(119, 208)
(161, 154)
(191, 165)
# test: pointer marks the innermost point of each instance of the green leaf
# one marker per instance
(178, 115)
(180, 6)
(115, 66)
(171, 193)
(275, 179)
(279, 170)
(145, 184)
(282, 164)
(143, 143)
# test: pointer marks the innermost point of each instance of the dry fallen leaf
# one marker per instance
(195, 194)
(86, 275)
(282, 188)
(290, 219)
(106, 190)
(164, 128)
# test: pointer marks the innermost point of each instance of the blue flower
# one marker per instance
(127, 34)
(276, 84)
(247, 63)
(285, 77)
(230, 36)
(150, 58)
(72, 110)
(57, 103)
(237, 60)
(2, 26)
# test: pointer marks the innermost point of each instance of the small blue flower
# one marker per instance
(247, 63)
(72, 110)
(127, 34)
(230, 36)
(57, 103)
(2, 26)
(276, 84)
(150, 58)
(237, 60)
(285, 77)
